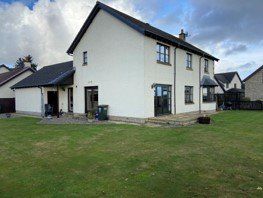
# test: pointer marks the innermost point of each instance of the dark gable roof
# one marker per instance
(7, 76)
(143, 28)
(58, 74)
(251, 75)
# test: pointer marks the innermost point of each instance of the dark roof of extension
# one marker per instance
(7, 76)
(223, 78)
(48, 76)
(251, 75)
(207, 81)
(5, 67)
(143, 28)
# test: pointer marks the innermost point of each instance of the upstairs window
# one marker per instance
(188, 61)
(208, 94)
(227, 85)
(206, 66)
(85, 58)
(235, 85)
(163, 53)
(189, 94)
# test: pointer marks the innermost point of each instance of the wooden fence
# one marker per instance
(7, 105)
(247, 105)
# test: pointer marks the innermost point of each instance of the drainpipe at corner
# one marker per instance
(174, 80)
(200, 99)
(42, 102)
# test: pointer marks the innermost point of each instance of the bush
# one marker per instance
(246, 99)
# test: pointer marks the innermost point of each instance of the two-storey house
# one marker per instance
(136, 69)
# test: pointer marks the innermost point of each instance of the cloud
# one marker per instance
(47, 30)
(235, 48)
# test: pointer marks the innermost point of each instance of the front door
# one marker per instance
(162, 100)
(91, 99)
(52, 100)
(70, 100)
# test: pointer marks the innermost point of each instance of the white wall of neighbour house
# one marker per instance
(219, 90)
(3, 70)
(6, 92)
(28, 100)
(235, 81)
(115, 65)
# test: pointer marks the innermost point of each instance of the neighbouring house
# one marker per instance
(135, 68)
(254, 85)
(4, 68)
(9, 77)
(228, 82)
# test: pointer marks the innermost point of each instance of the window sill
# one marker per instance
(189, 103)
(84, 64)
(163, 63)
(189, 69)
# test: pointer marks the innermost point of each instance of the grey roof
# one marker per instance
(224, 78)
(143, 28)
(58, 74)
(207, 81)
(7, 76)
(251, 75)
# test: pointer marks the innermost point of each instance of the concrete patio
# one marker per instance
(183, 119)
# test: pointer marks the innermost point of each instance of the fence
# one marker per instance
(7, 105)
(247, 105)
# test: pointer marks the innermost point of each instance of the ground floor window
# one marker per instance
(189, 92)
(208, 94)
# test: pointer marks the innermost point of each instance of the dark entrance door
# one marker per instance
(70, 99)
(91, 99)
(52, 100)
(162, 100)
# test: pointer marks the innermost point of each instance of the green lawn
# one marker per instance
(224, 159)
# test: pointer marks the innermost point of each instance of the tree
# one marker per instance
(20, 63)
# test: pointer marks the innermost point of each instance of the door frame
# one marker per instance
(85, 94)
(70, 111)
(170, 99)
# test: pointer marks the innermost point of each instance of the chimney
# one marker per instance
(182, 35)
(27, 64)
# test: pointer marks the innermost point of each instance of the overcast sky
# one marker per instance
(231, 30)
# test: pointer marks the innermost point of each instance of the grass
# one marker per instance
(224, 159)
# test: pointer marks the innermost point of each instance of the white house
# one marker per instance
(135, 68)
(227, 82)
(10, 77)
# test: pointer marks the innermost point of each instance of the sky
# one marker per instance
(230, 30)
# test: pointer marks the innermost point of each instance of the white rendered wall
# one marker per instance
(28, 100)
(115, 65)
(6, 92)
(3, 70)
